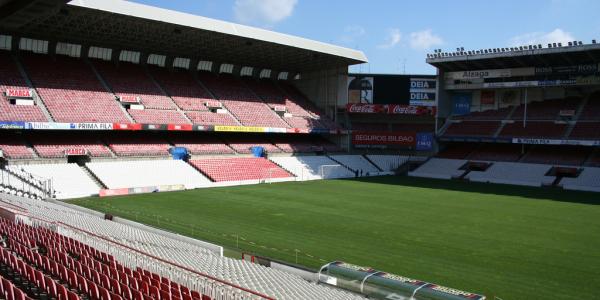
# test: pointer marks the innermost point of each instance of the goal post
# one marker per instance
(326, 170)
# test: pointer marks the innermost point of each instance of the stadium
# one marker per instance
(147, 153)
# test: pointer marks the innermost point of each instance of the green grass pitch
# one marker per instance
(506, 241)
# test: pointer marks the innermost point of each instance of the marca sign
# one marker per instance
(18, 93)
(75, 152)
(383, 138)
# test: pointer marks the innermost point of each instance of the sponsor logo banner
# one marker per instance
(48, 126)
(127, 126)
(366, 108)
(555, 142)
(154, 126)
(18, 93)
(422, 92)
(203, 128)
(461, 103)
(113, 192)
(391, 109)
(76, 152)
(91, 126)
(178, 127)
(276, 129)
(129, 99)
(12, 125)
(422, 84)
(574, 69)
(383, 138)
(240, 129)
(567, 113)
(424, 141)
(494, 73)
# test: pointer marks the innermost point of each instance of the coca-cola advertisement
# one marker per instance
(398, 109)
(366, 108)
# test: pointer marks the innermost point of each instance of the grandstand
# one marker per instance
(529, 112)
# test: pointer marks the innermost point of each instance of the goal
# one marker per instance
(329, 171)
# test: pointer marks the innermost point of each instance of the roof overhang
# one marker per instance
(559, 56)
(126, 25)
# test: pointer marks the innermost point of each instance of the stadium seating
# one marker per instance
(131, 80)
(296, 97)
(513, 173)
(304, 122)
(299, 144)
(558, 155)
(146, 173)
(440, 168)
(457, 150)
(591, 111)
(154, 251)
(243, 145)
(585, 130)
(158, 116)
(472, 128)
(486, 115)
(356, 163)
(496, 152)
(313, 167)
(70, 269)
(137, 146)
(10, 78)
(588, 180)
(594, 159)
(534, 130)
(68, 180)
(71, 91)
(546, 110)
(241, 102)
(202, 145)
(274, 96)
(183, 89)
(210, 118)
(388, 163)
(239, 169)
(14, 147)
(55, 146)
(13, 183)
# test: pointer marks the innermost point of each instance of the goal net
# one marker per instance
(331, 171)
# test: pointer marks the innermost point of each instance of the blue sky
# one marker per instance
(396, 35)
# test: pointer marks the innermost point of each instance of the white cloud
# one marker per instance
(555, 36)
(393, 38)
(424, 40)
(351, 33)
(263, 12)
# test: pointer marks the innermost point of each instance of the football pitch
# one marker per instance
(512, 242)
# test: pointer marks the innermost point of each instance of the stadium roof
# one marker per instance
(126, 25)
(558, 56)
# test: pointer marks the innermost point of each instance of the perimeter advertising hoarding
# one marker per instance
(383, 138)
